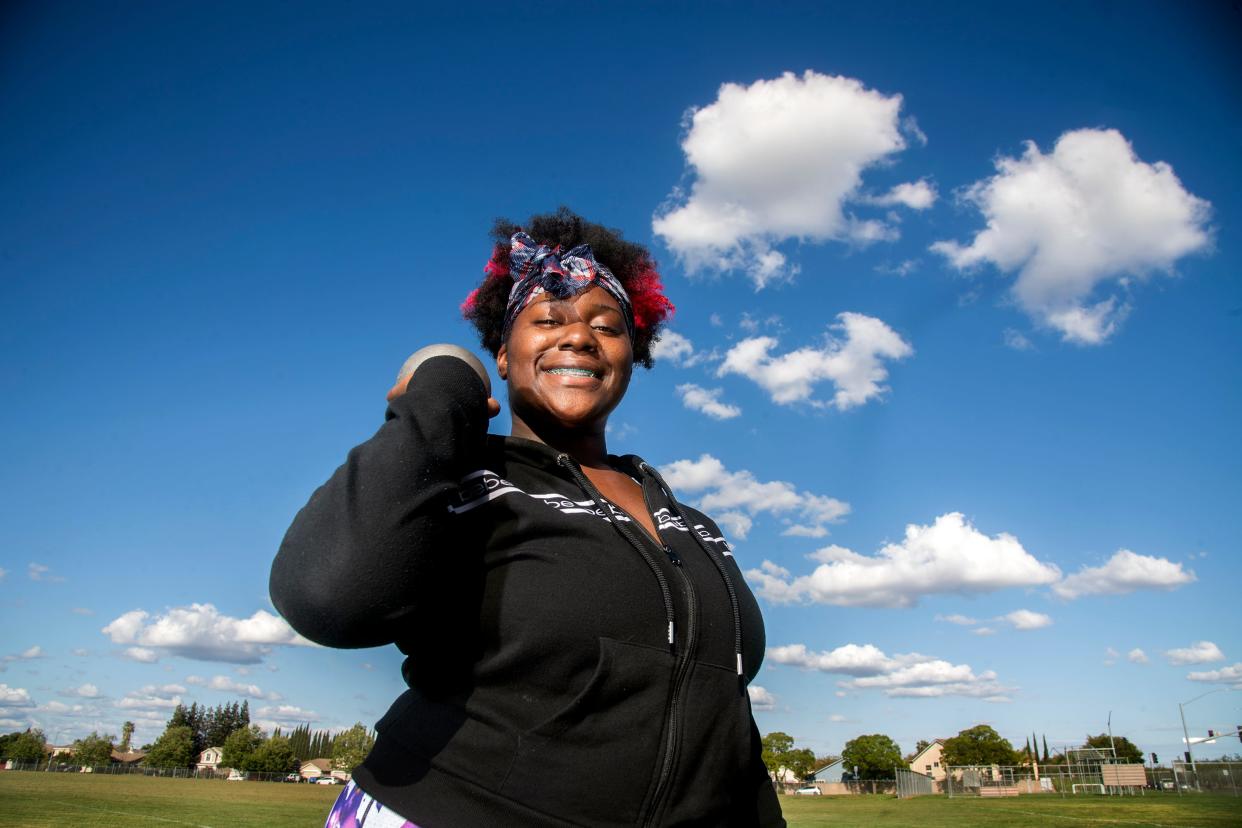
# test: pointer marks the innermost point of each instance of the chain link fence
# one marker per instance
(1094, 779)
(911, 784)
(224, 774)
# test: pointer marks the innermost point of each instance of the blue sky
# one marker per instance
(955, 353)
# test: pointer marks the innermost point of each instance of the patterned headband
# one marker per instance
(537, 268)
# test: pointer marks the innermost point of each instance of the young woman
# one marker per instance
(578, 642)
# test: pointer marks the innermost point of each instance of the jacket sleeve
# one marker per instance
(349, 569)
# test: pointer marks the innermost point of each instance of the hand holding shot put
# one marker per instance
(443, 349)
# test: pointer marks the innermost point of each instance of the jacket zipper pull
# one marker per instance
(672, 556)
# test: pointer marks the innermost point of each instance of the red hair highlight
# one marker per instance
(651, 306)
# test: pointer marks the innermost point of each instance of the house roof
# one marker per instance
(829, 765)
(128, 756)
(324, 765)
(933, 743)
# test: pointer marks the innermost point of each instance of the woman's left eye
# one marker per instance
(606, 329)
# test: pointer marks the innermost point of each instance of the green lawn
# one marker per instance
(1041, 809)
(70, 800)
(31, 798)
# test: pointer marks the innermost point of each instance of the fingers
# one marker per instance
(398, 389)
(493, 407)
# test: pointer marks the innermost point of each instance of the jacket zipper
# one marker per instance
(683, 655)
(672, 717)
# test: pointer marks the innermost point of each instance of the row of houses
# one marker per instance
(312, 770)
(836, 777)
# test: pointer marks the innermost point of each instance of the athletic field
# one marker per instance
(70, 800)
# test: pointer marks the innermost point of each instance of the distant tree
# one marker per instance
(6, 740)
(875, 756)
(239, 745)
(775, 746)
(93, 750)
(800, 762)
(1026, 752)
(1127, 751)
(920, 746)
(979, 745)
(28, 747)
(174, 749)
(273, 755)
(352, 746)
(127, 733)
(1046, 758)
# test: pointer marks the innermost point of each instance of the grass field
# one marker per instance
(71, 800)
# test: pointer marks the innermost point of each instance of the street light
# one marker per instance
(1189, 748)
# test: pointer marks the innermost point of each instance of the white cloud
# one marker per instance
(39, 572)
(152, 697)
(774, 161)
(983, 631)
(199, 631)
(901, 675)
(707, 400)
(737, 524)
(672, 347)
(1230, 675)
(1071, 223)
(228, 685)
(1110, 657)
(14, 696)
(26, 655)
(960, 620)
(902, 268)
(1024, 619)
(141, 654)
(761, 698)
(741, 496)
(1137, 656)
(81, 652)
(837, 717)
(853, 362)
(917, 195)
(1017, 340)
(85, 691)
(949, 556)
(1124, 572)
(287, 713)
(1201, 652)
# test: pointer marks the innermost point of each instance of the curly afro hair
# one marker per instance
(631, 263)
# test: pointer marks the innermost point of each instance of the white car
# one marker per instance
(327, 780)
(809, 790)
(237, 777)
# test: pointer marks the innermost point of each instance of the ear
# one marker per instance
(502, 363)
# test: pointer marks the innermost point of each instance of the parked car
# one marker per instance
(237, 777)
(809, 790)
(327, 780)
(293, 777)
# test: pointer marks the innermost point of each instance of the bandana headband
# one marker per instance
(537, 268)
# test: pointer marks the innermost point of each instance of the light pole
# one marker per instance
(1189, 748)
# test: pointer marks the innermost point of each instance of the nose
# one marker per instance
(578, 336)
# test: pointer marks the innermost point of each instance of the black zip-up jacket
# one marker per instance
(564, 667)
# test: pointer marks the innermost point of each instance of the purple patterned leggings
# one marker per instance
(355, 808)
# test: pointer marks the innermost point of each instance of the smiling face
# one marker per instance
(567, 363)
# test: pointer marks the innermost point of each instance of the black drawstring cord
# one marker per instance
(589, 489)
(715, 558)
